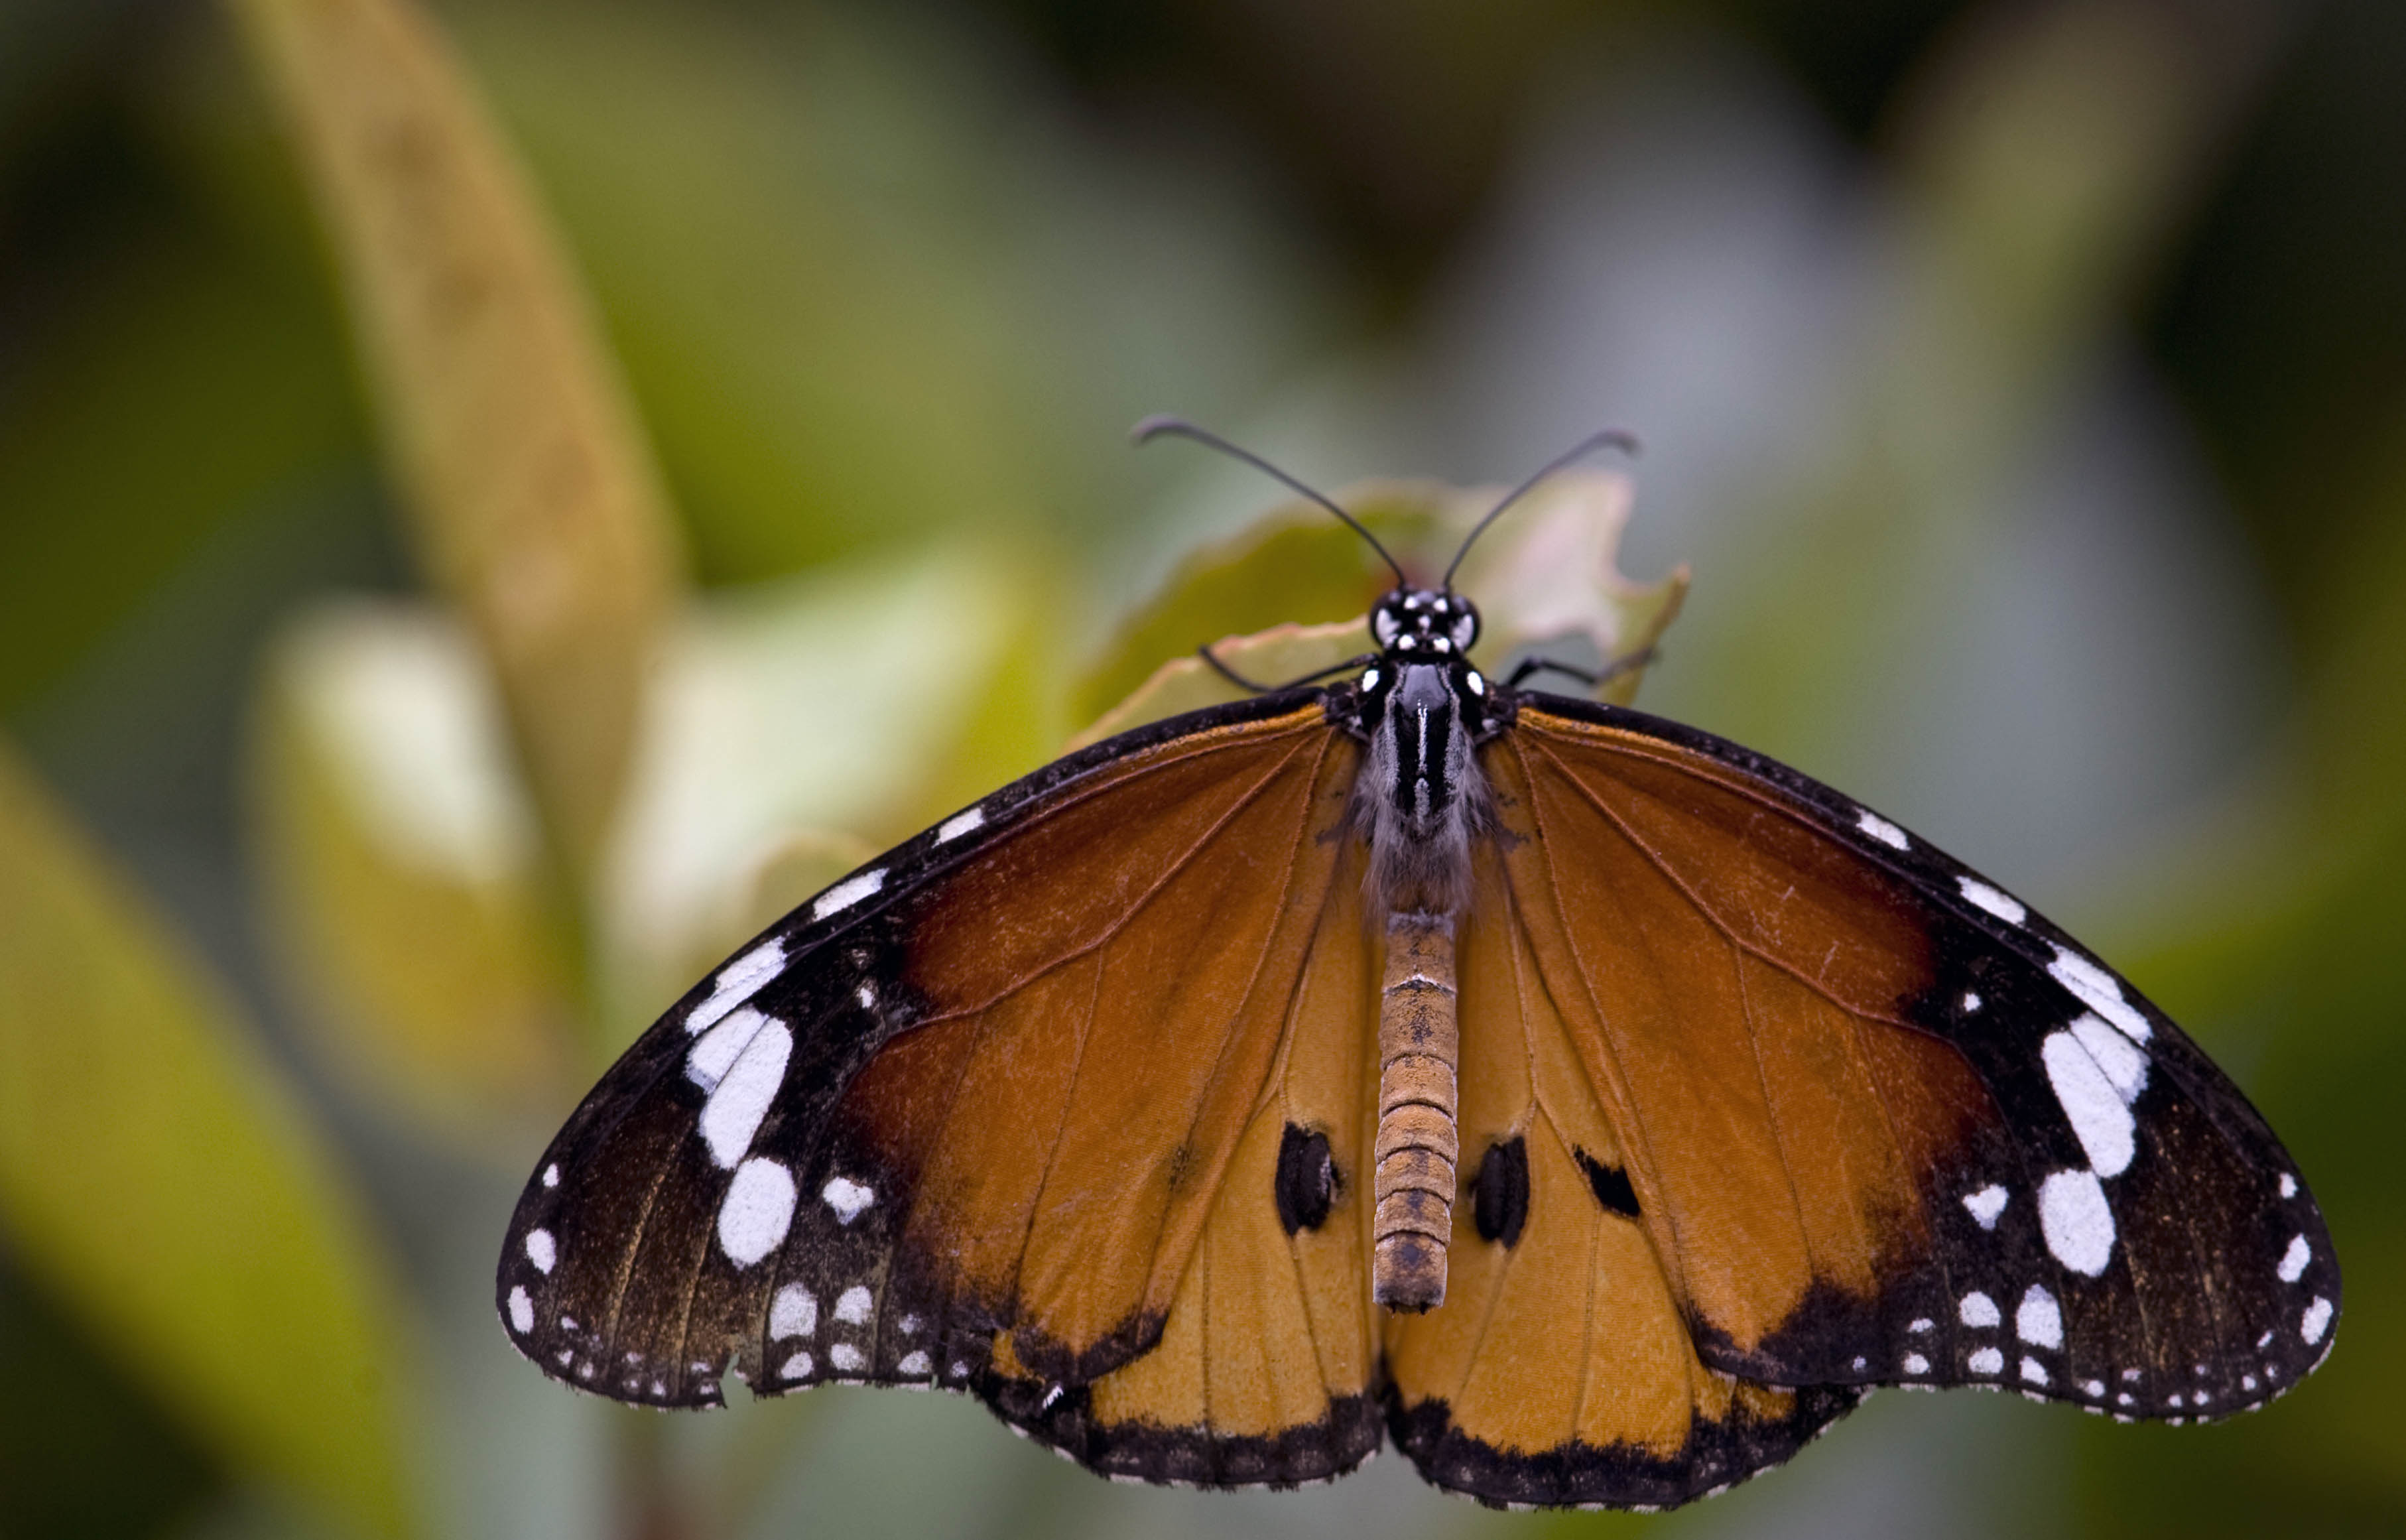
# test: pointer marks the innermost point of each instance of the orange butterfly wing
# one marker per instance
(1849, 1116)
(1019, 1129)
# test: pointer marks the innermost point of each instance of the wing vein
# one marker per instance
(1711, 917)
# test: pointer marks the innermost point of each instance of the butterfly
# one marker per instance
(1592, 1106)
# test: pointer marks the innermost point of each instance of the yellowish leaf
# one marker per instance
(537, 504)
(1544, 575)
(404, 868)
(163, 1180)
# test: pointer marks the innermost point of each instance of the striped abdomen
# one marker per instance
(1417, 1145)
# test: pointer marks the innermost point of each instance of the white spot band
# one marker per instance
(2098, 1116)
(2002, 905)
(848, 1199)
(1881, 829)
(738, 982)
(2076, 1220)
(758, 1211)
(795, 1312)
(734, 1112)
(2293, 1261)
(1985, 1205)
(847, 893)
(2038, 1318)
(2101, 992)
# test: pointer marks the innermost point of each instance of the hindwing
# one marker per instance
(1561, 1369)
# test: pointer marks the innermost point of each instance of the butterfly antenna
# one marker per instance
(1154, 428)
(1609, 438)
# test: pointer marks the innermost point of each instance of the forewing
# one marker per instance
(1004, 1112)
(1885, 1124)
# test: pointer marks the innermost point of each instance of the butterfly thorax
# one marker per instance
(1419, 802)
(1422, 709)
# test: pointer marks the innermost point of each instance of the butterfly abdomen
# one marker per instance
(1417, 1144)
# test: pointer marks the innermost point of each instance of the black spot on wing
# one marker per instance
(1499, 1195)
(1610, 1185)
(1306, 1181)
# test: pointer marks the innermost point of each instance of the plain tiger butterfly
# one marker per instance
(1594, 1108)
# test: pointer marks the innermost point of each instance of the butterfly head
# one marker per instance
(1424, 637)
(1424, 625)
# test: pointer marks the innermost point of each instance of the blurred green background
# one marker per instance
(2025, 384)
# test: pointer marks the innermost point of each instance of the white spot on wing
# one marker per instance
(1985, 1205)
(959, 823)
(734, 1112)
(2033, 1371)
(2101, 992)
(758, 1211)
(1920, 1324)
(914, 1364)
(738, 982)
(540, 1251)
(2123, 1062)
(1915, 1365)
(1971, 999)
(551, 1175)
(2317, 1320)
(1881, 829)
(1987, 1360)
(2078, 1226)
(2293, 1261)
(848, 1199)
(2004, 906)
(1978, 1309)
(797, 1367)
(846, 1357)
(795, 1312)
(2096, 1111)
(521, 1311)
(852, 1306)
(2289, 1185)
(715, 1053)
(2092, 1387)
(2038, 1318)
(847, 893)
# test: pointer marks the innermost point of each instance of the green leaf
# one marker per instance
(537, 507)
(161, 1178)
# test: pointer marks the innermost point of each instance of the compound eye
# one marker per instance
(1385, 624)
(1464, 629)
